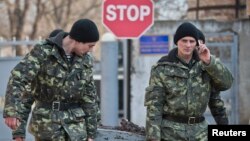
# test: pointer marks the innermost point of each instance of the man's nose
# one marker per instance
(188, 43)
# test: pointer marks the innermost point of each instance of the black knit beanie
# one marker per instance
(186, 29)
(84, 30)
(201, 36)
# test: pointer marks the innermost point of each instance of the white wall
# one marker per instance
(139, 81)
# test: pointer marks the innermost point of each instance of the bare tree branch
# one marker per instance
(39, 13)
(21, 17)
(68, 13)
(94, 5)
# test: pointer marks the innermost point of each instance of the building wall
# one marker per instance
(226, 11)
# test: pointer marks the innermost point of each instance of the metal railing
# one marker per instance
(8, 47)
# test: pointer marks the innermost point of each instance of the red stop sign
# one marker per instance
(128, 18)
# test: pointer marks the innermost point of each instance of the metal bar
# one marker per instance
(235, 95)
(215, 7)
(16, 43)
(128, 77)
(109, 83)
(125, 78)
(237, 4)
(197, 11)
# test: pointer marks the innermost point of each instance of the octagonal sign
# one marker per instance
(128, 18)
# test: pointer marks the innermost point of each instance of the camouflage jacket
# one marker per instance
(178, 90)
(44, 75)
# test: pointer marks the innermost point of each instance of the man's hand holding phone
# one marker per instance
(204, 53)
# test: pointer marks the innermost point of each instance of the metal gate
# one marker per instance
(225, 46)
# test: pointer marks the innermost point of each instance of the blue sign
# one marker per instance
(154, 44)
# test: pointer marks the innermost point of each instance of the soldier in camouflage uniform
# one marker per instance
(57, 75)
(215, 104)
(180, 87)
(19, 131)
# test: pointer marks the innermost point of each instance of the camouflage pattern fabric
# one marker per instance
(175, 89)
(98, 110)
(217, 108)
(21, 130)
(61, 137)
(27, 102)
(45, 75)
(174, 131)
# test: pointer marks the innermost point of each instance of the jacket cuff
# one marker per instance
(17, 133)
(212, 62)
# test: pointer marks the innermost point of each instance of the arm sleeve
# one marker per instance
(27, 102)
(217, 108)
(221, 77)
(19, 83)
(98, 109)
(21, 130)
(91, 107)
(154, 103)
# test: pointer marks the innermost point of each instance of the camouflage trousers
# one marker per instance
(62, 137)
(173, 131)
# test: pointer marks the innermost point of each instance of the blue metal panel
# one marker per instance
(154, 44)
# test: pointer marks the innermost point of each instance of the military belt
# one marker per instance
(57, 105)
(183, 119)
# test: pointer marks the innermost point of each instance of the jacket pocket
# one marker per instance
(76, 126)
(75, 115)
